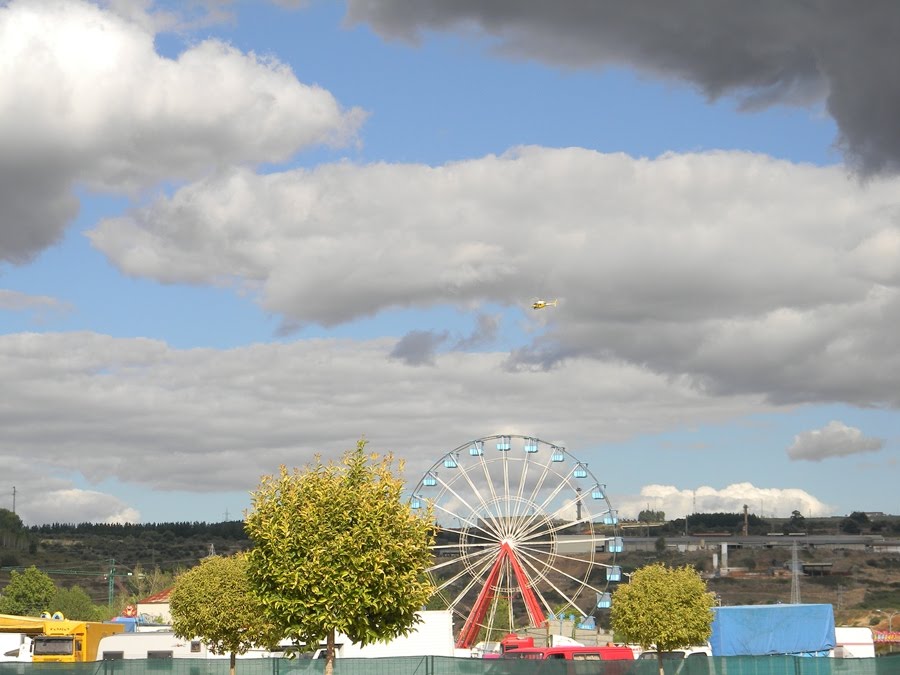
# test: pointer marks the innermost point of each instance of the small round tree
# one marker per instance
(663, 608)
(214, 602)
(337, 549)
(28, 593)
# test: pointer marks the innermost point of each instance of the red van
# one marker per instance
(580, 658)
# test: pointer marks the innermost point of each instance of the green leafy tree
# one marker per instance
(663, 608)
(10, 522)
(214, 602)
(28, 593)
(850, 526)
(336, 548)
(76, 604)
(797, 523)
(860, 517)
(144, 582)
(11, 530)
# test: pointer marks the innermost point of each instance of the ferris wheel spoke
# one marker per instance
(538, 532)
(583, 585)
(490, 483)
(452, 514)
(468, 522)
(456, 577)
(489, 540)
(581, 582)
(465, 560)
(535, 551)
(487, 549)
(523, 478)
(543, 577)
(476, 577)
(540, 509)
(540, 483)
(506, 503)
(530, 523)
(524, 522)
(481, 501)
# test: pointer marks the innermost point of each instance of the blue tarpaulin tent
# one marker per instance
(757, 630)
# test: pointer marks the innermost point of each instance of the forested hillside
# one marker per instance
(141, 559)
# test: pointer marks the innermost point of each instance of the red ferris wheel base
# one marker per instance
(469, 633)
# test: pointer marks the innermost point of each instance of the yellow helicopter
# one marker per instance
(543, 304)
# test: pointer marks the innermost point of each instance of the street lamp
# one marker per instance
(890, 616)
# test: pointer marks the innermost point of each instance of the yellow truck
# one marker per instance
(60, 640)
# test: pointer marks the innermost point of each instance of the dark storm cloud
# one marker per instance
(417, 347)
(762, 52)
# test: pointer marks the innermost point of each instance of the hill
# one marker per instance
(141, 559)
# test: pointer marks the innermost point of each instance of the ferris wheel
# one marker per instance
(525, 533)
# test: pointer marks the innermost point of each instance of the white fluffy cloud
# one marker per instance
(747, 274)
(42, 496)
(677, 502)
(835, 439)
(204, 420)
(86, 100)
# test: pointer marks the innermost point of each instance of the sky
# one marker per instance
(237, 235)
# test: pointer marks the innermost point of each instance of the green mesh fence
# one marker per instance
(439, 665)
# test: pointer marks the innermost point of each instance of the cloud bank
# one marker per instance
(745, 274)
(677, 503)
(106, 408)
(85, 100)
(763, 53)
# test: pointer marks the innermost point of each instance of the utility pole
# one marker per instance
(111, 576)
(14, 500)
(795, 576)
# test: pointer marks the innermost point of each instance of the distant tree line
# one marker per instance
(229, 530)
(718, 522)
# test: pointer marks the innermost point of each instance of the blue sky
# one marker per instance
(238, 234)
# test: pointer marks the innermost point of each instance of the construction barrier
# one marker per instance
(440, 665)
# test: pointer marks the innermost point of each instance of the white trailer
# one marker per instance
(15, 647)
(433, 636)
(155, 645)
(853, 642)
